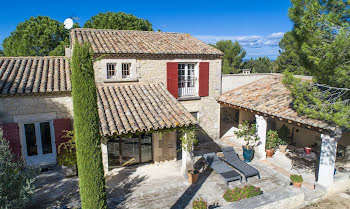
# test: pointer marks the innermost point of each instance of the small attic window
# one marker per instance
(126, 70)
(111, 70)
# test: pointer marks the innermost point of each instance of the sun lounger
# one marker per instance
(232, 159)
(221, 168)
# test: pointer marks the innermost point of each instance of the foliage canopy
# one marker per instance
(233, 56)
(322, 35)
(319, 102)
(37, 36)
(118, 21)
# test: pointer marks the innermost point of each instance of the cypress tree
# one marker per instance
(86, 126)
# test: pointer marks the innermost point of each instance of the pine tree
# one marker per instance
(86, 127)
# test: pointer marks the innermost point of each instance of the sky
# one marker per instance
(257, 25)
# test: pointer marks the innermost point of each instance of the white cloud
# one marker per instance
(255, 45)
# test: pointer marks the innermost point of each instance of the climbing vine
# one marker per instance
(320, 101)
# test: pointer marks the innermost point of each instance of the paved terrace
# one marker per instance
(152, 185)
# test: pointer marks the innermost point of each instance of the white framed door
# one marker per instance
(38, 141)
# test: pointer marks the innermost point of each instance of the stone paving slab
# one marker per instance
(150, 186)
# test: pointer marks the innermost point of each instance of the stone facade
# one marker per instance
(11, 107)
(155, 71)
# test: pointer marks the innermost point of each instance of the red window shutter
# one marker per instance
(60, 125)
(203, 79)
(11, 134)
(172, 78)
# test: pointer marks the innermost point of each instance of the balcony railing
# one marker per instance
(187, 87)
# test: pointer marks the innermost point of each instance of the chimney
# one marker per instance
(67, 51)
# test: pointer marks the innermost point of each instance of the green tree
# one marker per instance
(37, 36)
(233, 56)
(118, 21)
(260, 65)
(16, 180)
(2, 53)
(86, 127)
(60, 49)
(288, 59)
(321, 31)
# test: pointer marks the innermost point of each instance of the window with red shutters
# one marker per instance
(60, 125)
(172, 78)
(203, 79)
(11, 134)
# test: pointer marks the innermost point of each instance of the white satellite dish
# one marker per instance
(68, 23)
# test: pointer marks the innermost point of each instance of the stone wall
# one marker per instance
(232, 81)
(164, 146)
(155, 70)
(14, 106)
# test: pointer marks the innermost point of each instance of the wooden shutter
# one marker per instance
(203, 79)
(172, 78)
(60, 125)
(11, 134)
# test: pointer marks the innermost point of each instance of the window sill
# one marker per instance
(186, 98)
(120, 80)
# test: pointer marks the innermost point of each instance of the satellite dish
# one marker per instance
(68, 23)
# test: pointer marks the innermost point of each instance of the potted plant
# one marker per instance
(199, 203)
(188, 140)
(271, 142)
(282, 145)
(67, 155)
(297, 180)
(307, 150)
(284, 135)
(249, 134)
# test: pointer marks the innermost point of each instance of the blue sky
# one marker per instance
(258, 25)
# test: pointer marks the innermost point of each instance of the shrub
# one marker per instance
(86, 129)
(16, 180)
(237, 194)
(296, 178)
(284, 134)
(248, 132)
(66, 151)
(199, 203)
(272, 139)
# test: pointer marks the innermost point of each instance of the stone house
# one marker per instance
(146, 82)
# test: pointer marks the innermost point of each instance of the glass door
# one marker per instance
(129, 151)
(39, 143)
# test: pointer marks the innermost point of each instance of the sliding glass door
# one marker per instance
(129, 151)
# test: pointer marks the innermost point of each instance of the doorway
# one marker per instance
(38, 142)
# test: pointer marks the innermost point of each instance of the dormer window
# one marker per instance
(126, 70)
(111, 70)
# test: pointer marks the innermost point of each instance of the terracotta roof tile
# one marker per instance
(134, 108)
(269, 96)
(142, 42)
(28, 75)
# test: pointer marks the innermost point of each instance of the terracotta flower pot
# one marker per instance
(192, 176)
(269, 153)
(297, 184)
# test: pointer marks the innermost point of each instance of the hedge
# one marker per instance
(86, 127)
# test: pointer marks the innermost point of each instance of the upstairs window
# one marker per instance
(111, 70)
(187, 80)
(126, 70)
